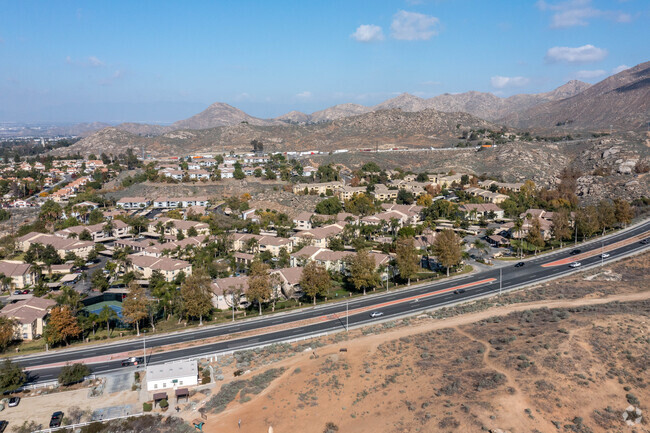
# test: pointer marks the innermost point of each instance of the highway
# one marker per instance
(45, 367)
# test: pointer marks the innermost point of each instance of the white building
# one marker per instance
(172, 375)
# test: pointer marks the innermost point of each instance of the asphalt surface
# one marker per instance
(392, 304)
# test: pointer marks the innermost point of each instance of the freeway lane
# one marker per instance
(330, 315)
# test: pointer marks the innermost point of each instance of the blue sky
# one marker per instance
(163, 61)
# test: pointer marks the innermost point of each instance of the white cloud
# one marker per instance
(499, 82)
(413, 26)
(95, 62)
(586, 75)
(90, 62)
(117, 75)
(620, 68)
(583, 54)
(573, 13)
(305, 94)
(368, 33)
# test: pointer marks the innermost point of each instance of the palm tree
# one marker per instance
(519, 223)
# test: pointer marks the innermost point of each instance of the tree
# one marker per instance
(587, 221)
(534, 235)
(405, 197)
(315, 280)
(98, 281)
(73, 373)
(407, 258)
(336, 244)
(50, 212)
(196, 295)
(61, 326)
(561, 227)
(259, 283)
(134, 307)
(95, 216)
(6, 332)
(329, 206)
(361, 267)
(606, 215)
(191, 232)
(105, 316)
(360, 204)
(239, 173)
(623, 212)
(424, 200)
(12, 376)
(85, 235)
(446, 248)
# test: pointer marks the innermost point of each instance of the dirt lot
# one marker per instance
(39, 409)
(572, 363)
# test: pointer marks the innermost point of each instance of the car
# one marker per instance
(18, 292)
(604, 255)
(25, 292)
(3, 426)
(459, 291)
(89, 263)
(376, 314)
(56, 419)
(574, 252)
(134, 360)
(645, 241)
(575, 265)
(13, 401)
(519, 265)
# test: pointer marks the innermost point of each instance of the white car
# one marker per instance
(376, 314)
(604, 255)
(575, 264)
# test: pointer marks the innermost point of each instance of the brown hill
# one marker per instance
(338, 112)
(386, 128)
(621, 101)
(218, 114)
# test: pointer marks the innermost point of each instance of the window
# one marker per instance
(164, 385)
(155, 386)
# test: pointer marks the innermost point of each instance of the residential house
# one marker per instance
(61, 245)
(319, 236)
(169, 268)
(476, 211)
(21, 274)
(133, 202)
(346, 192)
(29, 316)
(317, 188)
(225, 290)
(303, 221)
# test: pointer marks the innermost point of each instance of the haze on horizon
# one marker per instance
(164, 61)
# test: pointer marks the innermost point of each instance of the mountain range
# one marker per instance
(621, 101)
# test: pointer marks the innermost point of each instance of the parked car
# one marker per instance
(575, 264)
(519, 265)
(459, 291)
(18, 292)
(574, 252)
(134, 360)
(56, 419)
(3, 426)
(376, 314)
(645, 241)
(25, 292)
(13, 401)
(604, 255)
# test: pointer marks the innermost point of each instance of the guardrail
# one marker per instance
(83, 424)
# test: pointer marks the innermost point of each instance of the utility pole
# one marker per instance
(500, 280)
(144, 347)
(233, 306)
(347, 328)
(602, 251)
(576, 239)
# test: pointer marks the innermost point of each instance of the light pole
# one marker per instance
(144, 347)
(233, 306)
(500, 280)
(346, 316)
(602, 251)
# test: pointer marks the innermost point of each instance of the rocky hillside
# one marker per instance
(483, 105)
(218, 114)
(621, 101)
(387, 128)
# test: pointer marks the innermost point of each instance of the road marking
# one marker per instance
(409, 299)
(597, 252)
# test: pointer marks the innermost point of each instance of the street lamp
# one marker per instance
(144, 346)
(347, 328)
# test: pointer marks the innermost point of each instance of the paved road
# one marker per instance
(332, 316)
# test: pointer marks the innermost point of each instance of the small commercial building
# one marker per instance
(172, 375)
